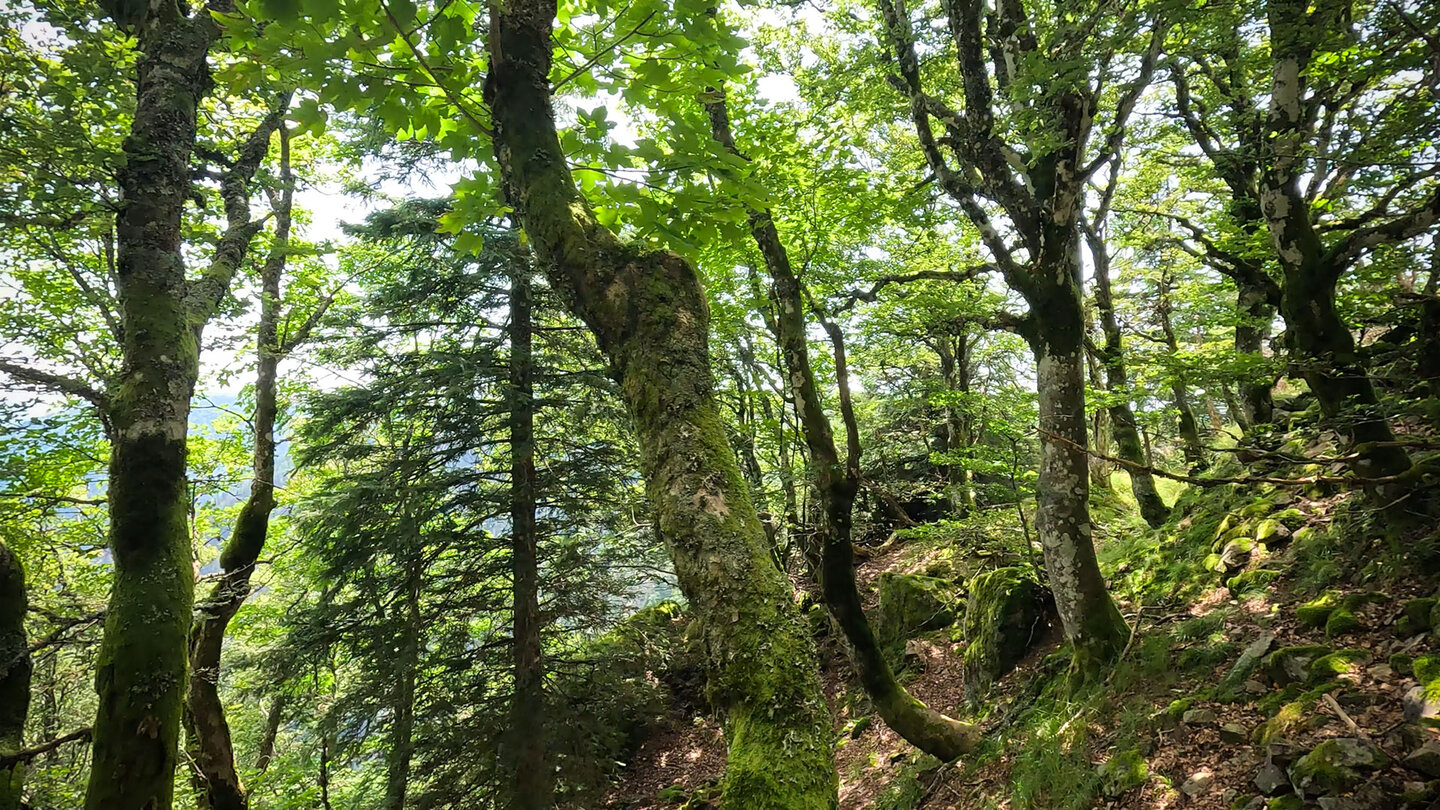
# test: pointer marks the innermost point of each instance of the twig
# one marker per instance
(27, 754)
(1348, 720)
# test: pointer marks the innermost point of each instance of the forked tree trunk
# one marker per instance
(532, 787)
(650, 318)
(837, 482)
(15, 671)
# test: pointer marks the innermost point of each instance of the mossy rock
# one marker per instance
(1329, 667)
(1416, 616)
(1253, 580)
(1285, 803)
(1123, 772)
(1259, 508)
(1402, 664)
(1007, 612)
(1426, 669)
(911, 605)
(1341, 622)
(1336, 765)
(907, 788)
(1291, 518)
(1289, 665)
(1272, 532)
(1317, 611)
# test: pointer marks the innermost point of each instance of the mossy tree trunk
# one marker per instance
(1041, 263)
(1112, 358)
(954, 354)
(650, 318)
(837, 483)
(15, 669)
(1194, 446)
(211, 751)
(533, 786)
(142, 663)
(1311, 268)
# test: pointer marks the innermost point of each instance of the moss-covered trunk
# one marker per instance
(954, 353)
(1254, 313)
(15, 671)
(533, 786)
(1189, 425)
(140, 675)
(1122, 417)
(649, 316)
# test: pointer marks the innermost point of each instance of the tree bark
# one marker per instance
(1122, 417)
(402, 696)
(141, 669)
(837, 482)
(1254, 312)
(273, 718)
(954, 353)
(212, 753)
(15, 671)
(1188, 424)
(650, 318)
(533, 789)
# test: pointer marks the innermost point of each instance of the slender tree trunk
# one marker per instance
(1255, 313)
(266, 753)
(1100, 469)
(837, 482)
(1189, 425)
(15, 670)
(212, 753)
(650, 319)
(532, 788)
(954, 352)
(402, 696)
(1122, 417)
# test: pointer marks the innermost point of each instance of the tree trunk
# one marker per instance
(532, 788)
(1100, 469)
(1189, 425)
(1255, 313)
(838, 483)
(954, 352)
(15, 669)
(650, 318)
(402, 696)
(1122, 418)
(212, 753)
(141, 667)
(273, 719)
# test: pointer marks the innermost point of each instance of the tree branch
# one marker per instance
(58, 383)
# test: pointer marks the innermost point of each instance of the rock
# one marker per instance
(1342, 620)
(1255, 803)
(1336, 765)
(1271, 780)
(1420, 704)
(1234, 556)
(1317, 611)
(1255, 687)
(1283, 752)
(860, 726)
(1123, 772)
(1272, 533)
(1233, 734)
(1007, 612)
(1197, 783)
(1339, 664)
(909, 606)
(1250, 658)
(1381, 672)
(1289, 665)
(1285, 803)
(1198, 717)
(1424, 760)
(1415, 617)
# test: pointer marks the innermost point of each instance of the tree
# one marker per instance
(1040, 72)
(15, 670)
(648, 314)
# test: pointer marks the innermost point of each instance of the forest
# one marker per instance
(734, 404)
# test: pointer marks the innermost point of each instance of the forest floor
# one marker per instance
(1230, 682)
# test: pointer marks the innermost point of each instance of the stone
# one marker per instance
(1123, 772)
(1344, 664)
(1250, 658)
(1415, 617)
(1424, 760)
(1007, 611)
(1234, 556)
(1233, 734)
(1420, 704)
(1271, 780)
(1283, 752)
(1381, 672)
(1289, 665)
(911, 604)
(1198, 717)
(1336, 765)
(1197, 783)
(1255, 687)
(1317, 611)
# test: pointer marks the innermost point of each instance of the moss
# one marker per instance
(1292, 664)
(1340, 622)
(1340, 662)
(1426, 669)
(1402, 664)
(1256, 579)
(1123, 772)
(1292, 716)
(1006, 613)
(1415, 616)
(1317, 611)
(1285, 803)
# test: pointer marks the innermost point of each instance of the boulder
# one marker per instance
(1421, 703)
(911, 605)
(1197, 783)
(1007, 613)
(1198, 717)
(1271, 780)
(1289, 665)
(1233, 734)
(1336, 765)
(1250, 658)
